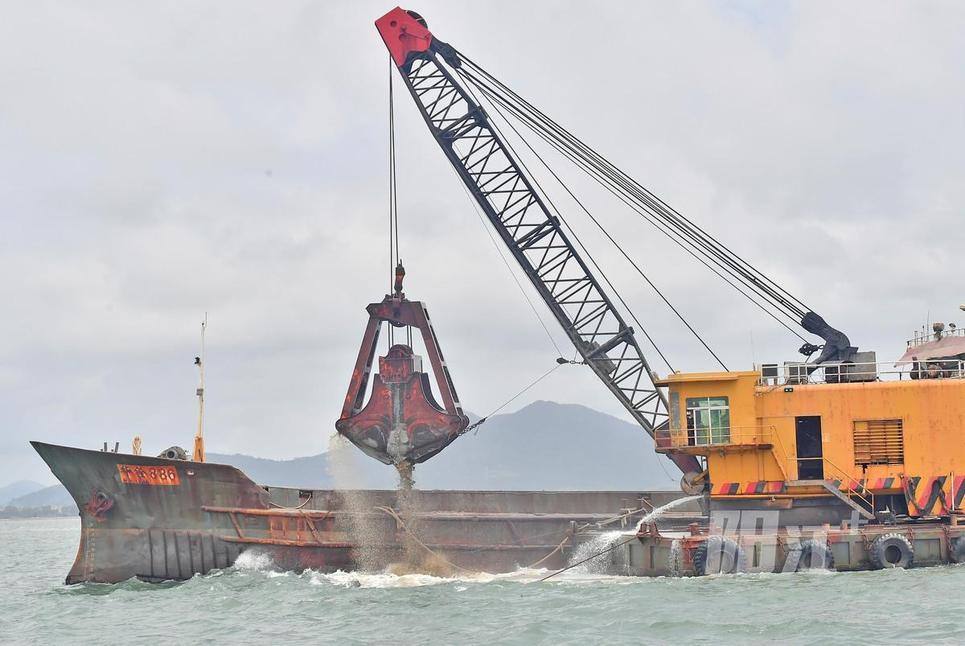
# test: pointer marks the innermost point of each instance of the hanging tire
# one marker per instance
(813, 554)
(891, 550)
(718, 555)
(958, 550)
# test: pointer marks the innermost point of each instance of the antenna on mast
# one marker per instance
(199, 362)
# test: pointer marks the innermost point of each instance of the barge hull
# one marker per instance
(158, 519)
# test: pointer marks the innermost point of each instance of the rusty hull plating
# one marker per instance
(137, 524)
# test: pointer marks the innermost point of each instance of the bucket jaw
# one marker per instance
(401, 422)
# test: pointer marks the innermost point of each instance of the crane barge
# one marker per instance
(837, 461)
(837, 441)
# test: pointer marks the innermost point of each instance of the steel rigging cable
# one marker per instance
(669, 222)
(658, 213)
(616, 244)
(636, 208)
(395, 261)
(549, 201)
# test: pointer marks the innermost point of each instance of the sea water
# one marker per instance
(253, 603)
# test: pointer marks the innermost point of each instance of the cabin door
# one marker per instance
(810, 462)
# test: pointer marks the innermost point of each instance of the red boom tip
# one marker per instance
(403, 34)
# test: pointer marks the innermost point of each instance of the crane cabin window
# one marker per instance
(708, 420)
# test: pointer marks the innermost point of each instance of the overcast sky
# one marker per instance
(162, 160)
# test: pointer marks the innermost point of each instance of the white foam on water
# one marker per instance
(676, 557)
(595, 550)
(381, 580)
(254, 561)
(388, 580)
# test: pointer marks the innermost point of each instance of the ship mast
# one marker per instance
(199, 362)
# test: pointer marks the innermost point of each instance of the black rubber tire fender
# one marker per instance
(718, 555)
(891, 550)
(957, 554)
(813, 551)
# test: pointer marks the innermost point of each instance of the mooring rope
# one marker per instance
(307, 500)
(398, 519)
(559, 548)
(570, 567)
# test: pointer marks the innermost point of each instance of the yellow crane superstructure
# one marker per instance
(873, 438)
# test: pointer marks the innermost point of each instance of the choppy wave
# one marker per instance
(255, 603)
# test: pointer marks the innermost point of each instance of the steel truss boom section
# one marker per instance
(531, 232)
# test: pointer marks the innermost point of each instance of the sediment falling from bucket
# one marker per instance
(417, 557)
(358, 519)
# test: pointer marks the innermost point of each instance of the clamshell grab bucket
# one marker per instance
(401, 422)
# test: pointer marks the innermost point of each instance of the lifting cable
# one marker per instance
(658, 213)
(394, 253)
(393, 207)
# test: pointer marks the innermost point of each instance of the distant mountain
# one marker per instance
(311, 472)
(54, 496)
(554, 447)
(17, 489)
(544, 446)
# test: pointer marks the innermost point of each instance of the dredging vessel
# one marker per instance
(837, 461)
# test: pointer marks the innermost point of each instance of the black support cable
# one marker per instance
(613, 241)
(614, 186)
(670, 234)
(537, 186)
(393, 210)
(510, 95)
(660, 209)
(732, 263)
(593, 165)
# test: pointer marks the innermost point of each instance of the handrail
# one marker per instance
(801, 373)
(865, 494)
(787, 457)
(923, 337)
(732, 435)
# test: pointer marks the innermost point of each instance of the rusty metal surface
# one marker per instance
(401, 422)
(151, 531)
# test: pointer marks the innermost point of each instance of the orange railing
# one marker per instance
(724, 436)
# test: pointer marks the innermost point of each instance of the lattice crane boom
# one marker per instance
(534, 236)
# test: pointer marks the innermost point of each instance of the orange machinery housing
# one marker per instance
(869, 444)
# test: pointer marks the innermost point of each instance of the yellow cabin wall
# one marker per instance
(739, 388)
(932, 414)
